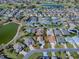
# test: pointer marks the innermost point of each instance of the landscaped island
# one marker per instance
(7, 32)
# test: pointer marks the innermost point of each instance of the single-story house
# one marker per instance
(28, 41)
(60, 39)
(65, 32)
(2, 57)
(18, 47)
(57, 32)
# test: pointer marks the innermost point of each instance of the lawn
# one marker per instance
(47, 45)
(7, 32)
(6, 5)
(35, 55)
(59, 46)
(69, 45)
(12, 55)
(50, 53)
(60, 54)
(9, 5)
(74, 54)
(26, 49)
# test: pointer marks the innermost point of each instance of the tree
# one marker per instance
(38, 2)
(32, 6)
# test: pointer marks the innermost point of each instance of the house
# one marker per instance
(60, 39)
(50, 36)
(2, 12)
(18, 47)
(65, 32)
(15, 11)
(44, 57)
(57, 32)
(52, 41)
(32, 20)
(65, 24)
(70, 40)
(19, 14)
(7, 13)
(55, 20)
(29, 30)
(45, 20)
(78, 33)
(71, 24)
(2, 57)
(56, 57)
(76, 40)
(28, 41)
(76, 23)
(39, 31)
(63, 19)
(40, 39)
(11, 13)
(49, 32)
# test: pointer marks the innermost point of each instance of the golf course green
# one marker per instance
(7, 32)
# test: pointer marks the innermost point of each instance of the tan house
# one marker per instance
(50, 36)
(39, 32)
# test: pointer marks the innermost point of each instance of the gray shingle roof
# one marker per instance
(18, 47)
(29, 41)
(57, 32)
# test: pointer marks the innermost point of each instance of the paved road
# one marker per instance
(48, 50)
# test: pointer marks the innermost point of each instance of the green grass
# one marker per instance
(12, 55)
(1, 17)
(35, 55)
(60, 54)
(75, 55)
(27, 49)
(49, 53)
(72, 34)
(69, 45)
(7, 32)
(47, 45)
(58, 46)
(9, 5)
(77, 27)
(6, 5)
(9, 54)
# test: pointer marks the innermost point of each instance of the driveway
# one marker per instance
(31, 47)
